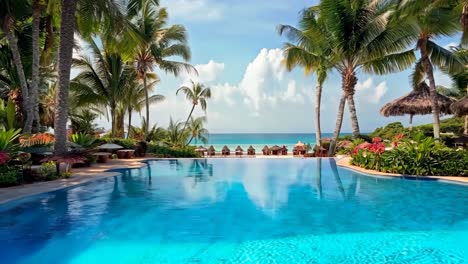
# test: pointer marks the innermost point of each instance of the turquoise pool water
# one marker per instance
(240, 211)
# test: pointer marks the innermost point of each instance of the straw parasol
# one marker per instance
(251, 148)
(239, 149)
(225, 148)
(417, 102)
(276, 148)
(211, 151)
(265, 148)
(299, 144)
(460, 107)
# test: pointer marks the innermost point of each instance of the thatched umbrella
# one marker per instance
(239, 149)
(225, 151)
(266, 150)
(251, 150)
(275, 149)
(211, 151)
(418, 102)
(110, 146)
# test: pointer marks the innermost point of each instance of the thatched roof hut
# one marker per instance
(460, 107)
(417, 102)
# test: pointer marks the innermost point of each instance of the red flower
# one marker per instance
(376, 140)
(3, 157)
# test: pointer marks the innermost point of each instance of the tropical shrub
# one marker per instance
(48, 171)
(7, 115)
(419, 155)
(389, 131)
(40, 140)
(84, 140)
(126, 143)
(8, 138)
(167, 152)
(8, 176)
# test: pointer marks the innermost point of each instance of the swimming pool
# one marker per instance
(240, 211)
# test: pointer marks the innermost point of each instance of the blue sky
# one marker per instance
(236, 50)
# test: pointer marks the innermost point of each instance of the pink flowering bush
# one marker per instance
(3, 158)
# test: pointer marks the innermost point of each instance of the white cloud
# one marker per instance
(450, 45)
(370, 93)
(194, 10)
(206, 72)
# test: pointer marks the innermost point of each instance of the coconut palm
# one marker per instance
(135, 100)
(159, 44)
(196, 94)
(362, 36)
(434, 19)
(197, 131)
(103, 14)
(311, 51)
(10, 10)
(103, 83)
(176, 136)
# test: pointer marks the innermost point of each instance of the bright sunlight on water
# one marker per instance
(240, 211)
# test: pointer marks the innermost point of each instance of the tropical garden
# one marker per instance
(42, 41)
(382, 37)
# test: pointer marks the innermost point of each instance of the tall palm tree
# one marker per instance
(135, 100)
(159, 44)
(196, 94)
(434, 19)
(103, 83)
(103, 14)
(10, 10)
(311, 51)
(363, 36)
(197, 130)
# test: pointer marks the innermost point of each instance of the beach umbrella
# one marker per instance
(265, 148)
(299, 144)
(251, 148)
(460, 107)
(276, 148)
(211, 149)
(239, 149)
(417, 102)
(110, 146)
(225, 148)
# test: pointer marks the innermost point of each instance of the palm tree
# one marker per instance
(363, 36)
(159, 43)
(102, 14)
(311, 52)
(135, 100)
(197, 94)
(176, 136)
(103, 83)
(434, 19)
(10, 10)
(197, 131)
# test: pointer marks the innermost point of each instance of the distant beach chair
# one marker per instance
(239, 151)
(225, 151)
(211, 152)
(266, 150)
(251, 151)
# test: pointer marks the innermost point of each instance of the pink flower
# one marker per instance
(376, 140)
(3, 157)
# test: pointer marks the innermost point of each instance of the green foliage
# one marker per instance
(8, 138)
(8, 176)
(7, 115)
(420, 156)
(83, 122)
(84, 140)
(48, 171)
(167, 152)
(389, 131)
(450, 125)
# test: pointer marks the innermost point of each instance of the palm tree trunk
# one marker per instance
(432, 87)
(188, 118)
(411, 122)
(191, 138)
(13, 42)
(113, 122)
(465, 130)
(67, 29)
(318, 99)
(34, 101)
(353, 114)
(147, 105)
(339, 123)
(129, 122)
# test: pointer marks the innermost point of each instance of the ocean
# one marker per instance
(259, 140)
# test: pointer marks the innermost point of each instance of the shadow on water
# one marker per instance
(203, 200)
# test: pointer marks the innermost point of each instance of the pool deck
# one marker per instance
(345, 162)
(100, 171)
